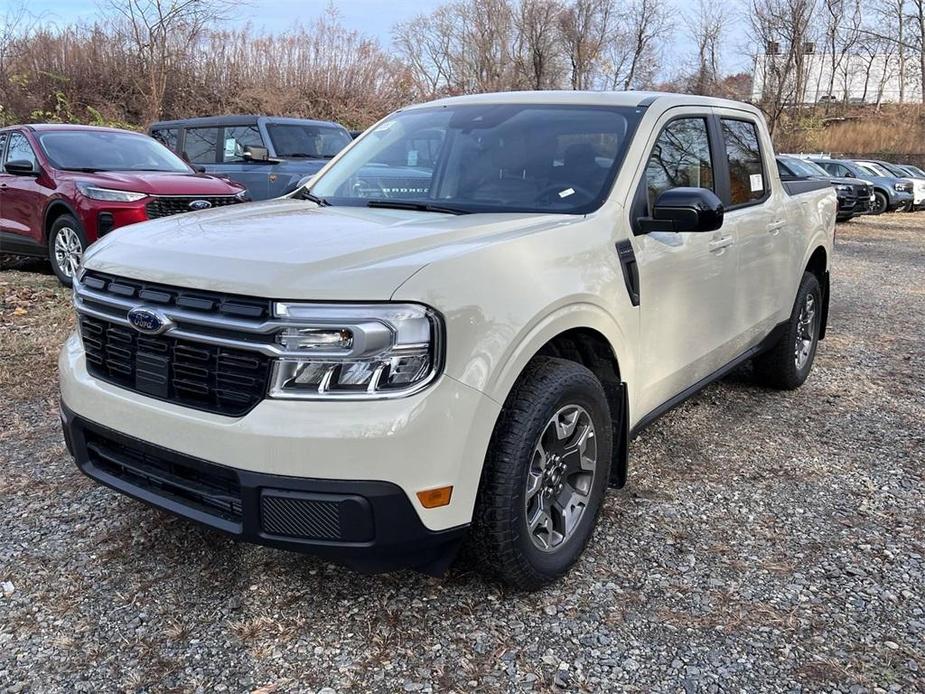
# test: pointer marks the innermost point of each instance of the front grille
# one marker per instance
(209, 488)
(193, 374)
(299, 517)
(215, 303)
(170, 205)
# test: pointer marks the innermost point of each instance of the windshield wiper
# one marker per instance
(311, 197)
(82, 169)
(300, 155)
(419, 206)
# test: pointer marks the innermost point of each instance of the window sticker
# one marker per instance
(757, 182)
(565, 193)
(412, 157)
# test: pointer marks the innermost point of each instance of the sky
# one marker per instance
(372, 17)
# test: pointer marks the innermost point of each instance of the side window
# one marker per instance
(746, 173)
(2, 142)
(680, 158)
(167, 137)
(237, 138)
(200, 145)
(20, 149)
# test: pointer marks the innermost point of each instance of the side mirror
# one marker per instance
(254, 153)
(198, 168)
(685, 209)
(21, 167)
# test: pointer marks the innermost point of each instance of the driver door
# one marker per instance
(687, 279)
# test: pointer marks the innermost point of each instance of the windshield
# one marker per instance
(485, 158)
(874, 169)
(308, 141)
(99, 150)
(915, 171)
(801, 167)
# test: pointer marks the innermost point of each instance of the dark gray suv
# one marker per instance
(266, 154)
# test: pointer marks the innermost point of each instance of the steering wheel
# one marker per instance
(557, 188)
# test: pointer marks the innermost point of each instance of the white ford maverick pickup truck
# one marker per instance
(453, 332)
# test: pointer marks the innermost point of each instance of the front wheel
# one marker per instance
(66, 245)
(787, 365)
(881, 203)
(545, 475)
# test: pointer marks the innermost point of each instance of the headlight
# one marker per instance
(843, 188)
(353, 351)
(108, 194)
(243, 196)
(900, 187)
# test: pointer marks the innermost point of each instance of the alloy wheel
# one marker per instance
(560, 477)
(68, 251)
(806, 332)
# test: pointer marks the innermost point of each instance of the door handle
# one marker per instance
(717, 245)
(775, 227)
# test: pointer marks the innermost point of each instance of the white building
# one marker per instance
(870, 79)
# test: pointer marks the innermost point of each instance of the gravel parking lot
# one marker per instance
(767, 541)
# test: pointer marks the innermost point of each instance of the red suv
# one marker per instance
(64, 186)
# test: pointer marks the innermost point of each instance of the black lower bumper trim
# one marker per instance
(368, 525)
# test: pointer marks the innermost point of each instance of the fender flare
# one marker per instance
(55, 204)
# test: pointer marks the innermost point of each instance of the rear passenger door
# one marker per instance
(686, 279)
(756, 214)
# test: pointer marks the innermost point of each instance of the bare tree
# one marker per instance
(707, 29)
(585, 27)
(780, 31)
(537, 52)
(162, 32)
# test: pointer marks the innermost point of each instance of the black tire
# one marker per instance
(500, 540)
(69, 230)
(778, 367)
(881, 202)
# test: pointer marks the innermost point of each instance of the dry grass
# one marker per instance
(35, 318)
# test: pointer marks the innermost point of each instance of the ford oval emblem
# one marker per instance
(148, 321)
(200, 205)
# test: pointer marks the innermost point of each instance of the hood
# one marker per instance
(160, 182)
(837, 181)
(291, 249)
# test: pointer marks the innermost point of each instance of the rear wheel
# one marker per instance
(545, 475)
(66, 245)
(787, 365)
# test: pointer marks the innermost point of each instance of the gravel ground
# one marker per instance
(767, 541)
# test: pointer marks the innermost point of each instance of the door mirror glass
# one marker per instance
(21, 167)
(255, 153)
(685, 209)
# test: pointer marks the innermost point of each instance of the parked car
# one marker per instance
(913, 171)
(886, 168)
(374, 378)
(890, 193)
(855, 196)
(266, 155)
(64, 186)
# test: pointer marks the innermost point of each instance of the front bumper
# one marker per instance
(374, 450)
(370, 526)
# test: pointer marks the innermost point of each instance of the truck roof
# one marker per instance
(639, 99)
(239, 119)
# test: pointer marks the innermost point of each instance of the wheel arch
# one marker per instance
(818, 265)
(582, 334)
(57, 208)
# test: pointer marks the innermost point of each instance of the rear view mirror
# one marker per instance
(685, 209)
(21, 167)
(255, 153)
